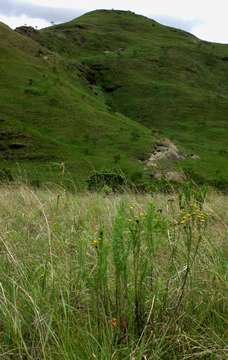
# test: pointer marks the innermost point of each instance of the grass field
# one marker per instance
(91, 276)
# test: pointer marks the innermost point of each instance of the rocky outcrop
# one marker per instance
(163, 159)
(27, 30)
(165, 150)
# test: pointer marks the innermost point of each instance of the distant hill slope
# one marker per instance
(67, 85)
(162, 77)
(48, 116)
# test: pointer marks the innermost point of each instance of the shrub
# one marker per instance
(33, 91)
(116, 158)
(114, 180)
(5, 175)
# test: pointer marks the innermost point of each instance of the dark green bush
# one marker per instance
(5, 175)
(31, 90)
(113, 179)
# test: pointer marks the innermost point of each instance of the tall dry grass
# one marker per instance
(88, 276)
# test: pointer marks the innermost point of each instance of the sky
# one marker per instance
(207, 19)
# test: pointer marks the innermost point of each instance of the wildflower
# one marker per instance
(114, 322)
(95, 243)
(194, 205)
(186, 218)
(193, 214)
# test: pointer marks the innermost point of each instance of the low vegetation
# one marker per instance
(91, 276)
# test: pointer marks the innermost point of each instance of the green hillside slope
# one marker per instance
(160, 76)
(49, 117)
(91, 94)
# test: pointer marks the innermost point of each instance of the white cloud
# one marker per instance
(216, 33)
(205, 18)
(12, 9)
(15, 21)
(176, 8)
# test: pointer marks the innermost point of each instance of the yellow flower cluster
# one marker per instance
(138, 214)
(95, 243)
(186, 218)
(195, 213)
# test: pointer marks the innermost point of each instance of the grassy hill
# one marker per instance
(92, 93)
(48, 117)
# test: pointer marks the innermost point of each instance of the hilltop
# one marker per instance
(98, 91)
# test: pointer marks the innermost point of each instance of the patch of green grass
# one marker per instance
(120, 277)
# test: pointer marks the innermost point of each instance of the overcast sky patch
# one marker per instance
(186, 25)
(203, 18)
(17, 9)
